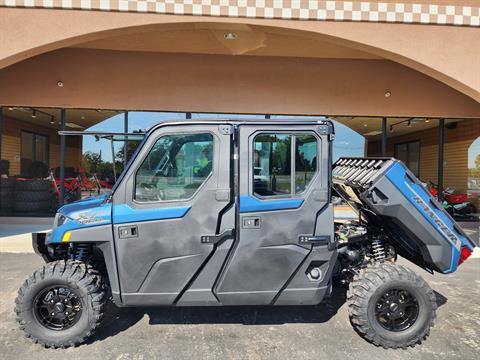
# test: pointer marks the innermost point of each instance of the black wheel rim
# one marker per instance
(396, 310)
(57, 307)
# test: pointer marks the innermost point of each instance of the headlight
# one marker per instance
(59, 220)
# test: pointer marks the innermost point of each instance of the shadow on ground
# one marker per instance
(120, 319)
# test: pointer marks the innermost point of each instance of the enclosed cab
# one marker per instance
(219, 213)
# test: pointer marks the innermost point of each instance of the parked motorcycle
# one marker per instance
(457, 205)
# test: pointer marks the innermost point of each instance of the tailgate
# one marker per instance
(384, 189)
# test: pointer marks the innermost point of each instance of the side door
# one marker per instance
(173, 195)
(283, 210)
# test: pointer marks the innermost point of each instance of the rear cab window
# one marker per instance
(284, 164)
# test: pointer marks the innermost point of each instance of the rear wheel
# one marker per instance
(391, 306)
(62, 304)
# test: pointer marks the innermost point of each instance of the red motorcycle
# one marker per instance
(457, 205)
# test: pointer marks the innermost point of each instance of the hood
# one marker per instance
(94, 210)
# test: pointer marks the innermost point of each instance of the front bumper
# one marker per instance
(39, 245)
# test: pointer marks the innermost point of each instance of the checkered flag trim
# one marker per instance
(363, 11)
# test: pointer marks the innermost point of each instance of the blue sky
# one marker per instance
(347, 142)
(473, 151)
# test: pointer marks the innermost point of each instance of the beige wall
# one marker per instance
(232, 84)
(442, 52)
(11, 145)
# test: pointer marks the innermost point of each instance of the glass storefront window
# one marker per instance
(409, 154)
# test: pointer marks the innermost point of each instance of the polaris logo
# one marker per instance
(441, 225)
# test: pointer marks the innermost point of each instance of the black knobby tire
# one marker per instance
(83, 280)
(469, 209)
(32, 196)
(32, 206)
(367, 289)
(7, 184)
(6, 202)
(33, 185)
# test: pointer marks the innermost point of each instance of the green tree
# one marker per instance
(132, 146)
(91, 161)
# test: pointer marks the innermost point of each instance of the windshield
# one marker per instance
(175, 167)
(129, 163)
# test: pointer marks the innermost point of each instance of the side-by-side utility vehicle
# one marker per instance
(228, 213)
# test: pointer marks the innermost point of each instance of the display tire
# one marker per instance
(7, 184)
(32, 196)
(6, 200)
(33, 185)
(32, 206)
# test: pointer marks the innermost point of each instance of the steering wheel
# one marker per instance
(150, 191)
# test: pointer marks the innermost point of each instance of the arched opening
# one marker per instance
(231, 67)
(473, 181)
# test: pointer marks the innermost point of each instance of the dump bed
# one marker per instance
(387, 194)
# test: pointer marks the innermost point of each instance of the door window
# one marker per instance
(275, 171)
(305, 161)
(174, 169)
(33, 147)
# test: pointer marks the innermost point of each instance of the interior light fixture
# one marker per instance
(52, 120)
(60, 83)
(230, 36)
(10, 108)
(34, 113)
(388, 93)
(427, 121)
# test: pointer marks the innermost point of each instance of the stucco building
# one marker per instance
(404, 74)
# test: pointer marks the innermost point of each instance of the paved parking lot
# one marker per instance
(321, 332)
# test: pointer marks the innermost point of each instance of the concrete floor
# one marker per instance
(321, 332)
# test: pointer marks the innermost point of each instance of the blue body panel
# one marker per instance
(123, 213)
(418, 196)
(89, 212)
(96, 211)
(252, 204)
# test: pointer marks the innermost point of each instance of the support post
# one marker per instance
(1, 130)
(62, 157)
(112, 148)
(384, 137)
(125, 142)
(441, 150)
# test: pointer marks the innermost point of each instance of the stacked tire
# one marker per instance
(32, 196)
(7, 187)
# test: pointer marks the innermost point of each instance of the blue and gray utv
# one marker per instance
(229, 213)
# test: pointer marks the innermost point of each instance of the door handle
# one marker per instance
(251, 222)
(126, 232)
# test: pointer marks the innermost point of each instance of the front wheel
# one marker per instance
(61, 304)
(391, 306)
